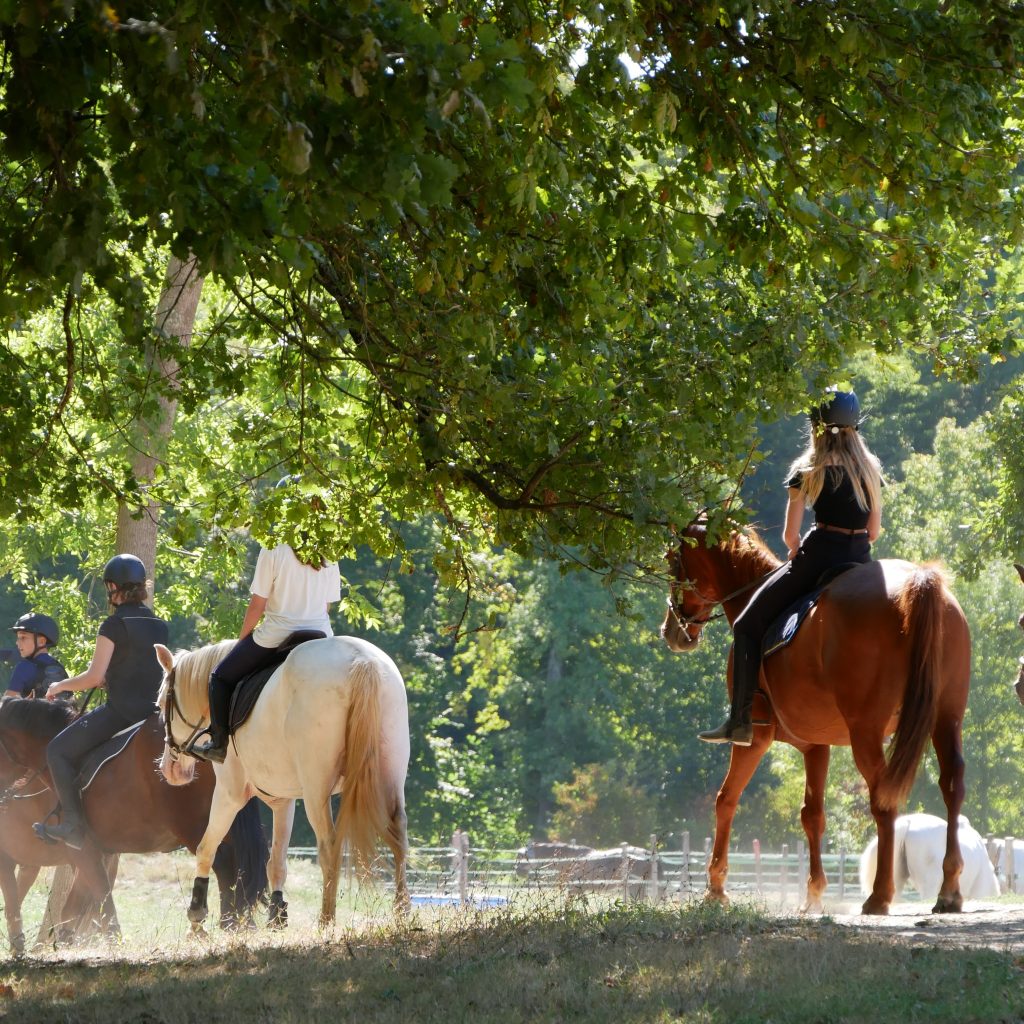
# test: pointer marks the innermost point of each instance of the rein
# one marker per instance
(12, 792)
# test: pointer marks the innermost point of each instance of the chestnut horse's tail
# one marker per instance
(922, 603)
(364, 813)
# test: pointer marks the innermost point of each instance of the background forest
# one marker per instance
(545, 703)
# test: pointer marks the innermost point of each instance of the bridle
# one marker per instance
(172, 707)
(685, 622)
(13, 791)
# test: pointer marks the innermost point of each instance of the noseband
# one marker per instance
(172, 707)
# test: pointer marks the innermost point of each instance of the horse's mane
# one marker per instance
(747, 546)
(192, 671)
(41, 719)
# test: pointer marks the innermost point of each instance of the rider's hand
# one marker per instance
(53, 691)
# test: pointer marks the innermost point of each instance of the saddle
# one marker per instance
(105, 752)
(784, 628)
(249, 687)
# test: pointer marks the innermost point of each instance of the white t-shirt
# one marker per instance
(297, 596)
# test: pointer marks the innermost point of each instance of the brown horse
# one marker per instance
(130, 809)
(886, 650)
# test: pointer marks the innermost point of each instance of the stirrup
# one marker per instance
(210, 750)
(739, 734)
(69, 833)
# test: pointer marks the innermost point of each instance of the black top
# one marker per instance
(134, 675)
(837, 503)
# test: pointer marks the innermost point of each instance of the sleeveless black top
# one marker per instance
(837, 503)
(134, 675)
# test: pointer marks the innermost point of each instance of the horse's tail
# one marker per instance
(251, 854)
(922, 603)
(364, 813)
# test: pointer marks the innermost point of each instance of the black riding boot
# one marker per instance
(216, 748)
(71, 829)
(738, 728)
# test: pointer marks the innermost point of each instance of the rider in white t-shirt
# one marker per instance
(287, 595)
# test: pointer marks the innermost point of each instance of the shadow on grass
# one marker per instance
(694, 963)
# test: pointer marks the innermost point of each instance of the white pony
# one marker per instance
(333, 718)
(920, 845)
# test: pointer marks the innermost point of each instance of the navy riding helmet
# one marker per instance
(839, 409)
(34, 622)
(123, 570)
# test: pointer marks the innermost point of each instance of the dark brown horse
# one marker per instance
(885, 651)
(130, 809)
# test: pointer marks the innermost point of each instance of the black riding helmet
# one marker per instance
(33, 622)
(124, 570)
(839, 409)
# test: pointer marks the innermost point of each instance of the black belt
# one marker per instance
(840, 529)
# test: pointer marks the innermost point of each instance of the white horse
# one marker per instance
(920, 845)
(333, 718)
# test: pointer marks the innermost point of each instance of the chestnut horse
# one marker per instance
(129, 808)
(886, 650)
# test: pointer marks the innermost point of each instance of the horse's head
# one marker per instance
(26, 727)
(692, 597)
(177, 767)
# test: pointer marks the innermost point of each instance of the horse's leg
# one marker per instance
(13, 897)
(742, 766)
(317, 804)
(870, 760)
(949, 751)
(812, 817)
(397, 839)
(277, 866)
(90, 889)
(228, 798)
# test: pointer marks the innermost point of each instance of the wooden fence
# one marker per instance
(462, 875)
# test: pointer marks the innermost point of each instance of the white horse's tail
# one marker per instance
(364, 813)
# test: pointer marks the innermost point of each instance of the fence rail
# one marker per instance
(462, 875)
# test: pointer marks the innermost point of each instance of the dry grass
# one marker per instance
(557, 961)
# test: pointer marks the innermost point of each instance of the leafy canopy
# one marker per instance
(478, 265)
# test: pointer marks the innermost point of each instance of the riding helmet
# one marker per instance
(123, 570)
(33, 622)
(840, 409)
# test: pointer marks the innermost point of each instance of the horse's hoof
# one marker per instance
(949, 904)
(277, 915)
(197, 909)
(815, 907)
(713, 896)
(18, 944)
(874, 907)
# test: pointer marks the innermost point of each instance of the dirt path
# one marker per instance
(982, 924)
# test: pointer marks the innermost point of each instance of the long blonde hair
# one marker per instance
(831, 452)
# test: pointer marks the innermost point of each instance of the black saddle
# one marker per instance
(784, 628)
(249, 687)
(105, 752)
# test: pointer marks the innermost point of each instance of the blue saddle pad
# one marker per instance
(248, 690)
(105, 752)
(785, 627)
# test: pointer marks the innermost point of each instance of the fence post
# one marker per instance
(684, 875)
(993, 849)
(652, 871)
(707, 854)
(783, 875)
(842, 873)
(801, 868)
(460, 863)
(624, 847)
(1008, 865)
(758, 877)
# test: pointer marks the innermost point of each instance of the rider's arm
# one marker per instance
(875, 522)
(253, 614)
(92, 677)
(794, 520)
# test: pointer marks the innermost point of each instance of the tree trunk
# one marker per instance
(174, 318)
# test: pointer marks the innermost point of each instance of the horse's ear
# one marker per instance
(164, 656)
(1020, 570)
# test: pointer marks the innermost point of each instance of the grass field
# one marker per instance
(558, 960)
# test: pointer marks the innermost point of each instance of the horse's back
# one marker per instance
(852, 657)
